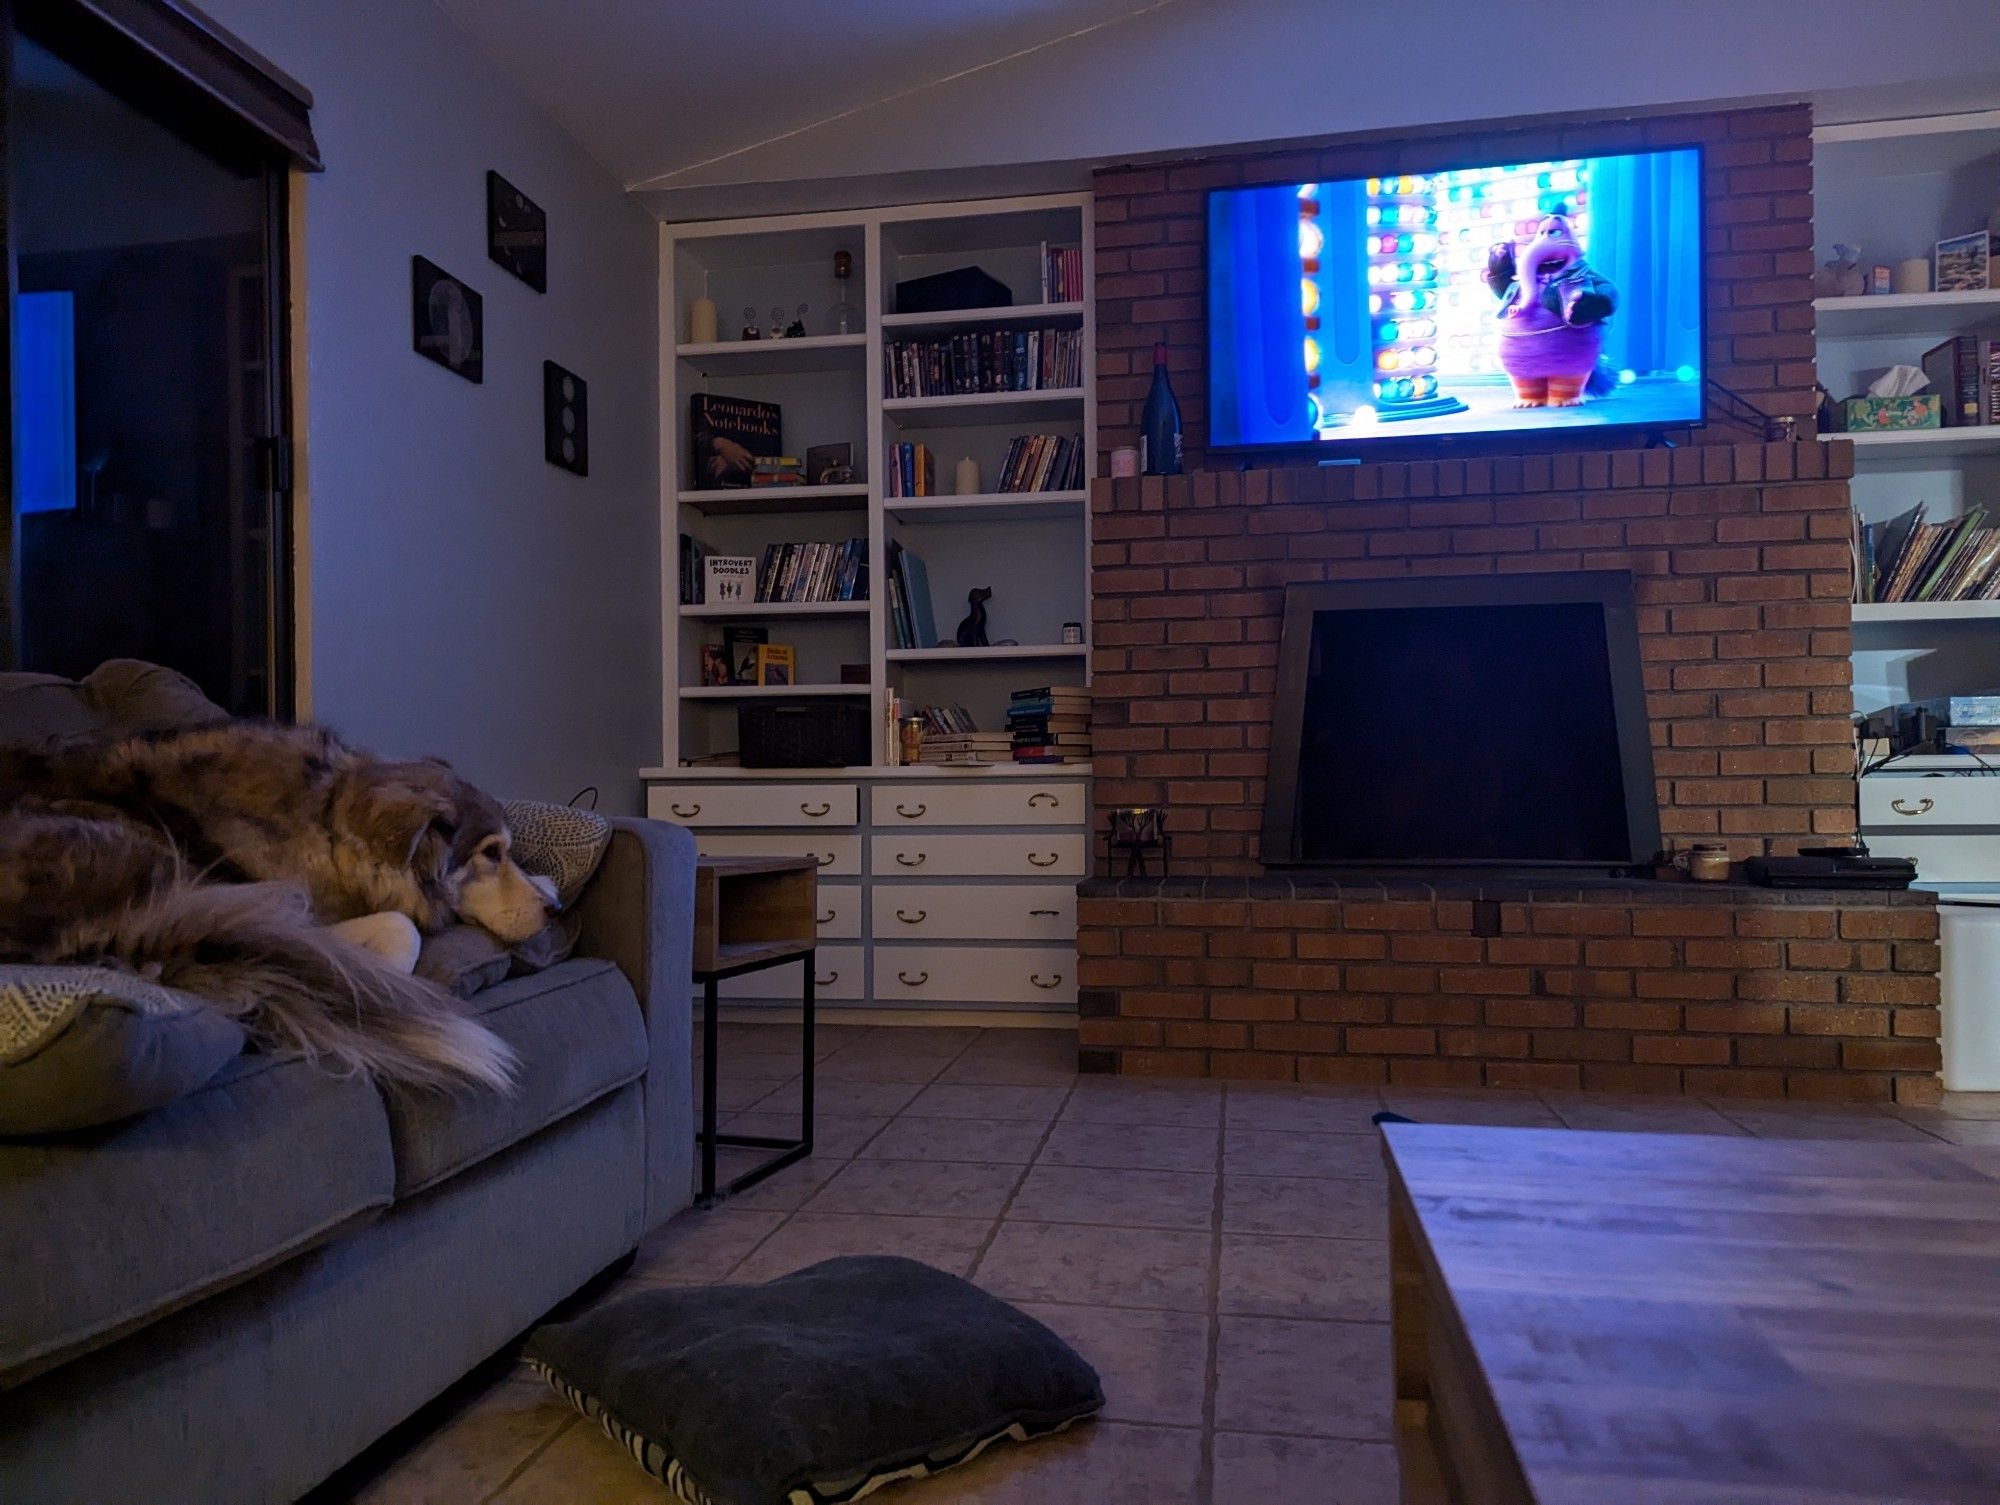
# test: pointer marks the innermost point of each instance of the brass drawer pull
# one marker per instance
(692, 810)
(1902, 807)
(824, 859)
(1040, 861)
(904, 860)
(827, 981)
(913, 982)
(815, 811)
(1042, 794)
(827, 918)
(910, 814)
(912, 919)
(1036, 979)
(1045, 913)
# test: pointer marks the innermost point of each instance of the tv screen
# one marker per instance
(1533, 297)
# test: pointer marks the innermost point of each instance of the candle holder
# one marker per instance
(1137, 830)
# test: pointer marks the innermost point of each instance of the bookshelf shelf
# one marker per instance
(996, 506)
(1012, 653)
(776, 609)
(986, 407)
(1907, 313)
(776, 500)
(768, 692)
(1057, 314)
(1895, 613)
(1923, 444)
(818, 352)
(829, 390)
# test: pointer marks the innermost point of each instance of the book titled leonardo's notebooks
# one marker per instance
(729, 435)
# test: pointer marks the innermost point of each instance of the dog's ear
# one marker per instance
(396, 816)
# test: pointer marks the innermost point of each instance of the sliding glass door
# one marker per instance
(150, 514)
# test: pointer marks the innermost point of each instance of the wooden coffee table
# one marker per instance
(1652, 1319)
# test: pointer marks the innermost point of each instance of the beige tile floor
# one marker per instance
(1217, 1252)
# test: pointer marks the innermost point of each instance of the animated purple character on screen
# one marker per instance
(1552, 313)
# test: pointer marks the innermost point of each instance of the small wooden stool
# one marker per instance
(751, 913)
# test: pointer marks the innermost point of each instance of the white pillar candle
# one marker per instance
(1913, 276)
(702, 326)
(968, 477)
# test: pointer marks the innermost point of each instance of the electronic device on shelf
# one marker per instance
(1831, 867)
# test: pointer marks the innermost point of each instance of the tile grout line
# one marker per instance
(979, 1255)
(534, 1456)
(1204, 1484)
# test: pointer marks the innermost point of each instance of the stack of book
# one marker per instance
(1908, 559)
(985, 360)
(777, 470)
(1062, 274)
(694, 566)
(911, 623)
(912, 470)
(1050, 724)
(1965, 372)
(1042, 462)
(793, 572)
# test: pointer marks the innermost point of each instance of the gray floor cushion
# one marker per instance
(105, 1230)
(578, 1033)
(821, 1386)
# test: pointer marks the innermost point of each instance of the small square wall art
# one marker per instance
(565, 419)
(447, 319)
(517, 232)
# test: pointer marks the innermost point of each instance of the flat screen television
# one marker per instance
(1462, 722)
(1533, 297)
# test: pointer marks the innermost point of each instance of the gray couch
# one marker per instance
(227, 1298)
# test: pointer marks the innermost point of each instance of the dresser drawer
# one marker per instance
(804, 805)
(975, 974)
(1003, 802)
(974, 912)
(1893, 804)
(839, 976)
(839, 912)
(839, 856)
(1003, 854)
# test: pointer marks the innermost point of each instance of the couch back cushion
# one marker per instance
(119, 695)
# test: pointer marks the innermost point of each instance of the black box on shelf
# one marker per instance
(804, 734)
(942, 292)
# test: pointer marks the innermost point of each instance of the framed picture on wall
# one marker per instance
(517, 232)
(448, 320)
(565, 419)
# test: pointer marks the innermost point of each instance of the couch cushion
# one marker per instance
(578, 1033)
(41, 707)
(104, 1230)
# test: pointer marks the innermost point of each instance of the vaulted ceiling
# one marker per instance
(707, 107)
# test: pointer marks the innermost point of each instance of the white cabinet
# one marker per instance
(938, 889)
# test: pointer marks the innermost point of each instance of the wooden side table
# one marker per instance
(751, 913)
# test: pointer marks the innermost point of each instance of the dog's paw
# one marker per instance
(391, 936)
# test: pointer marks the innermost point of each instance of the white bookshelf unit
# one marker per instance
(1895, 188)
(1031, 548)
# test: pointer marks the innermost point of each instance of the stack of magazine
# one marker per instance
(1908, 559)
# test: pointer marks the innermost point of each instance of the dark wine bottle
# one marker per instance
(1160, 423)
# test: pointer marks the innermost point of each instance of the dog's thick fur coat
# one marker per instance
(212, 859)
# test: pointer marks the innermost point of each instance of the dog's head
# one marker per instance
(452, 839)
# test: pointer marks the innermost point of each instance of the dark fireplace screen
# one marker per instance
(1448, 722)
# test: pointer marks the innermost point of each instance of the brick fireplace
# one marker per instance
(1740, 565)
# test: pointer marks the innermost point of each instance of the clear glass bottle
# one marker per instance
(844, 318)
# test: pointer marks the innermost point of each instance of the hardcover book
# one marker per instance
(728, 436)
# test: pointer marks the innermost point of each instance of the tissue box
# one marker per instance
(1921, 410)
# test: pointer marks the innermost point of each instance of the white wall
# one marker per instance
(469, 600)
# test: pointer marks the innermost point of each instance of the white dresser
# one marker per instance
(940, 889)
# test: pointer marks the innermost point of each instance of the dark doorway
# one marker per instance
(150, 514)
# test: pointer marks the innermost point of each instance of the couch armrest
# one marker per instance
(638, 911)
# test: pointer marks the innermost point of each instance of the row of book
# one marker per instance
(791, 572)
(985, 360)
(1965, 373)
(1062, 274)
(1908, 559)
(912, 470)
(694, 568)
(1043, 462)
(1049, 724)
(911, 621)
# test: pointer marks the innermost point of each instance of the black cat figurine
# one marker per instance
(972, 631)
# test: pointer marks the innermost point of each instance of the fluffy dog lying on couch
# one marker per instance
(272, 870)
